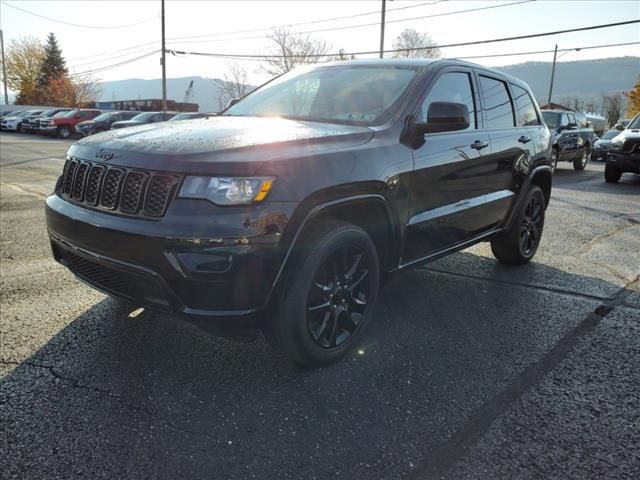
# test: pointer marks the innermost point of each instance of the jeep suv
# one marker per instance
(286, 212)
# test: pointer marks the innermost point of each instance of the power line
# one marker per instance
(104, 60)
(133, 47)
(370, 52)
(78, 25)
(348, 27)
(551, 51)
(324, 20)
(110, 67)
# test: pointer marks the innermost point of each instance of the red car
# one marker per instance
(64, 126)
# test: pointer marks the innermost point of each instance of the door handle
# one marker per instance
(524, 139)
(479, 144)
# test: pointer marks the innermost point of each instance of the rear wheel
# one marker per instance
(611, 174)
(64, 131)
(519, 244)
(581, 162)
(328, 297)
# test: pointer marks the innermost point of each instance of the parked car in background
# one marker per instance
(144, 118)
(622, 124)
(190, 116)
(603, 145)
(624, 154)
(64, 126)
(32, 124)
(103, 122)
(572, 141)
(286, 212)
(6, 113)
(14, 123)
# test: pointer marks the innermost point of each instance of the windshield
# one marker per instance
(70, 114)
(61, 114)
(143, 117)
(635, 123)
(610, 134)
(350, 94)
(103, 116)
(552, 119)
(50, 113)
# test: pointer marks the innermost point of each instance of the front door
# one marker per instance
(454, 174)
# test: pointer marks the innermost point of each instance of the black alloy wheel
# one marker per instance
(531, 226)
(338, 297)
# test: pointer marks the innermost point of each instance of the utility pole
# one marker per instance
(553, 73)
(4, 71)
(164, 66)
(384, 4)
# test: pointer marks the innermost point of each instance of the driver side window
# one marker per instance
(452, 87)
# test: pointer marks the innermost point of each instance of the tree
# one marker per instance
(23, 60)
(289, 50)
(633, 98)
(235, 84)
(410, 40)
(65, 91)
(342, 55)
(612, 108)
(53, 65)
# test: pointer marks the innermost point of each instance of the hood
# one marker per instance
(220, 139)
(86, 123)
(627, 134)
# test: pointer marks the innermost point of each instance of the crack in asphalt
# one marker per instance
(586, 248)
(76, 383)
(522, 284)
(479, 422)
(25, 190)
(614, 214)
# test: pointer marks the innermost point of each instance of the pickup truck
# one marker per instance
(64, 126)
(624, 155)
(572, 137)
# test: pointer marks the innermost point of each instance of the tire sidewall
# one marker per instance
(64, 129)
(292, 319)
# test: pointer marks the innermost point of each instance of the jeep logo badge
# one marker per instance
(104, 155)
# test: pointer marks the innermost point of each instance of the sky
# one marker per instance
(108, 37)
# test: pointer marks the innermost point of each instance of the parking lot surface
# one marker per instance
(472, 369)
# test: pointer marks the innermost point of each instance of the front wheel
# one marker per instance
(611, 174)
(554, 160)
(519, 244)
(64, 132)
(581, 162)
(19, 128)
(328, 297)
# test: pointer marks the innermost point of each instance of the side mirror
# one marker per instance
(619, 127)
(232, 102)
(446, 117)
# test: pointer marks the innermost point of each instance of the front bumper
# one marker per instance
(48, 129)
(625, 162)
(159, 263)
(599, 153)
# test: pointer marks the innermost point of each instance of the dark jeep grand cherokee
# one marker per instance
(286, 212)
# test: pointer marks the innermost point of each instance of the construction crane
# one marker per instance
(188, 95)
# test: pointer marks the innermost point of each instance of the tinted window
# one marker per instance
(498, 111)
(452, 87)
(526, 111)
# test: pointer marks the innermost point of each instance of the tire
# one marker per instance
(554, 159)
(328, 296)
(519, 244)
(581, 162)
(19, 128)
(611, 174)
(64, 132)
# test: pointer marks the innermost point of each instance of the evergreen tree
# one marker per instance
(53, 65)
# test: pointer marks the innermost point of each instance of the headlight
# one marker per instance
(227, 191)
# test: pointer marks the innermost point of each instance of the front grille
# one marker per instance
(117, 189)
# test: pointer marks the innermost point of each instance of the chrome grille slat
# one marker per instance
(117, 189)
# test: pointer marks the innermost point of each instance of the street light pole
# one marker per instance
(384, 4)
(164, 66)
(4, 71)
(553, 74)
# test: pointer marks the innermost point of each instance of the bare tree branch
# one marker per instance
(411, 39)
(291, 50)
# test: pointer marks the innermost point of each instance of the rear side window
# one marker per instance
(498, 110)
(527, 115)
(452, 87)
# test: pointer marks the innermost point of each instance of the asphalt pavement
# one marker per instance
(471, 369)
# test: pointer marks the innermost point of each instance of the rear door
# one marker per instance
(453, 173)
